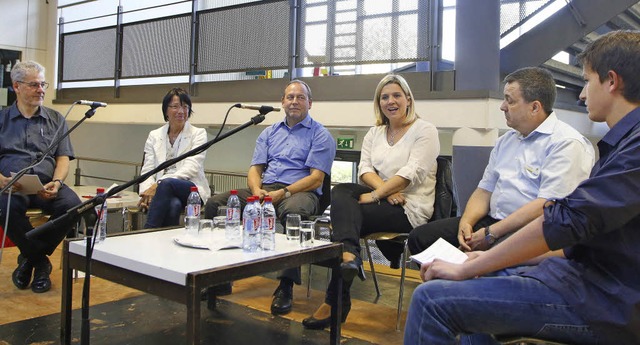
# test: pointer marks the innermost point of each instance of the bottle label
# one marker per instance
(233, 213)
(269, 224)
(193, 210)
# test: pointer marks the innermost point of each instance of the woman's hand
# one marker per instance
(367, 198)
(147, 196)
(396, 199)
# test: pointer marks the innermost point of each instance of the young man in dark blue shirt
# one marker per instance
(593, 295)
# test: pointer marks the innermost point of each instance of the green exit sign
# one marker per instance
(345, 143)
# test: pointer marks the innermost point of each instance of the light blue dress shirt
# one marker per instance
(289, 154)
(549, 163)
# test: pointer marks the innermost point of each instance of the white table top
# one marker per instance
(156, 254)
(124, 198)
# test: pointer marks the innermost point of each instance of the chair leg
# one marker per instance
(402, 276)
(373, 270)
(309, 282)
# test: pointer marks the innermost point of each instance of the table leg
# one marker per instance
(193, 315)
(336, 309)
(67, 294)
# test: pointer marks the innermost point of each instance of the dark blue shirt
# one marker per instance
(598, 225)
(22, 140)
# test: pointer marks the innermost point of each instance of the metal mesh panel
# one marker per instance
(244, 38)
(89, 55)
(354, 32)
(514, 12)
(159, 47)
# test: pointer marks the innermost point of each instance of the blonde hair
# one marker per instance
(393, 79)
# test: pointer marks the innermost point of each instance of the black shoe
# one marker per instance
(22, 275)
(282, 300)
(350, 269)
(313, 323)
(41, 281)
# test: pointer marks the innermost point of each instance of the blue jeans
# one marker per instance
(477, 308)
(168, 203)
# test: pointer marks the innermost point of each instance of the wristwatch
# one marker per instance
(488, 236)
(287, 193)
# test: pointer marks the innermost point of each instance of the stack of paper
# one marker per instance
(441, 250)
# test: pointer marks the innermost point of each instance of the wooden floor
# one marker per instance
(132, 317)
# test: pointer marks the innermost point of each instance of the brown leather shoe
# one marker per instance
(21, 277)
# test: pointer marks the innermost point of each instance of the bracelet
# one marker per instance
(374, 196)
(59, 180)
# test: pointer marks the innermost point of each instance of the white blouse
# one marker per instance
(413, 157)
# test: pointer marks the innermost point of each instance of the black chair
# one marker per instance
(323, 204)
(444, 207)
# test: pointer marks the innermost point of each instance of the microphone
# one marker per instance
(92, 104)
(263, 109)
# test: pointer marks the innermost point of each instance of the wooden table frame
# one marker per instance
(189, 294)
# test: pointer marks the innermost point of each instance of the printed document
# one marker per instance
(30, 184)
(441, 250)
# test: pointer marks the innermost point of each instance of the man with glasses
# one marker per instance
(27, 129)
(289, 163)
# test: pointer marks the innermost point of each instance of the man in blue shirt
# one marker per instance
(592, 296)
(27, 129)
(289, 163)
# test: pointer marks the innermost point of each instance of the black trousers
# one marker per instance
(425, 235)
(351, 220)
(37, 248)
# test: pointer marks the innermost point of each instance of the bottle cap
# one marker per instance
(234, 192)
(268, 198)
(99, 190)
(194, 188)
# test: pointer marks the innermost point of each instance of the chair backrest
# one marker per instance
(325, 198)
(445, 205)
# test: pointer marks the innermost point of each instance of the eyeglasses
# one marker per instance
(35, 85)
(178, 107)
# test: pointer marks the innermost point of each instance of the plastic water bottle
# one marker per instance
(232, 229)
(192, 214)
(101, 212)
(251, 225)
(268, 229)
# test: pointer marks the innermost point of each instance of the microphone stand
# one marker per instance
(22, 172)
(89, 205)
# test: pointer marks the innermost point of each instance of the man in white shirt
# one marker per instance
(540, 158)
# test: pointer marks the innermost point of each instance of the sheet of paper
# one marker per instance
(441, 250)
(30, 184)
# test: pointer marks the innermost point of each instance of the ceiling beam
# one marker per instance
(558, 32)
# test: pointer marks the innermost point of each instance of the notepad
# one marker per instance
(441, 250)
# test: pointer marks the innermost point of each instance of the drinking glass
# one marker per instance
(219, 222)
(205, 230)
(306, 233)
(293, 227)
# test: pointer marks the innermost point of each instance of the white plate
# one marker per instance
(190, 241)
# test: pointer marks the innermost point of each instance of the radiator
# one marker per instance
(221, 183)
